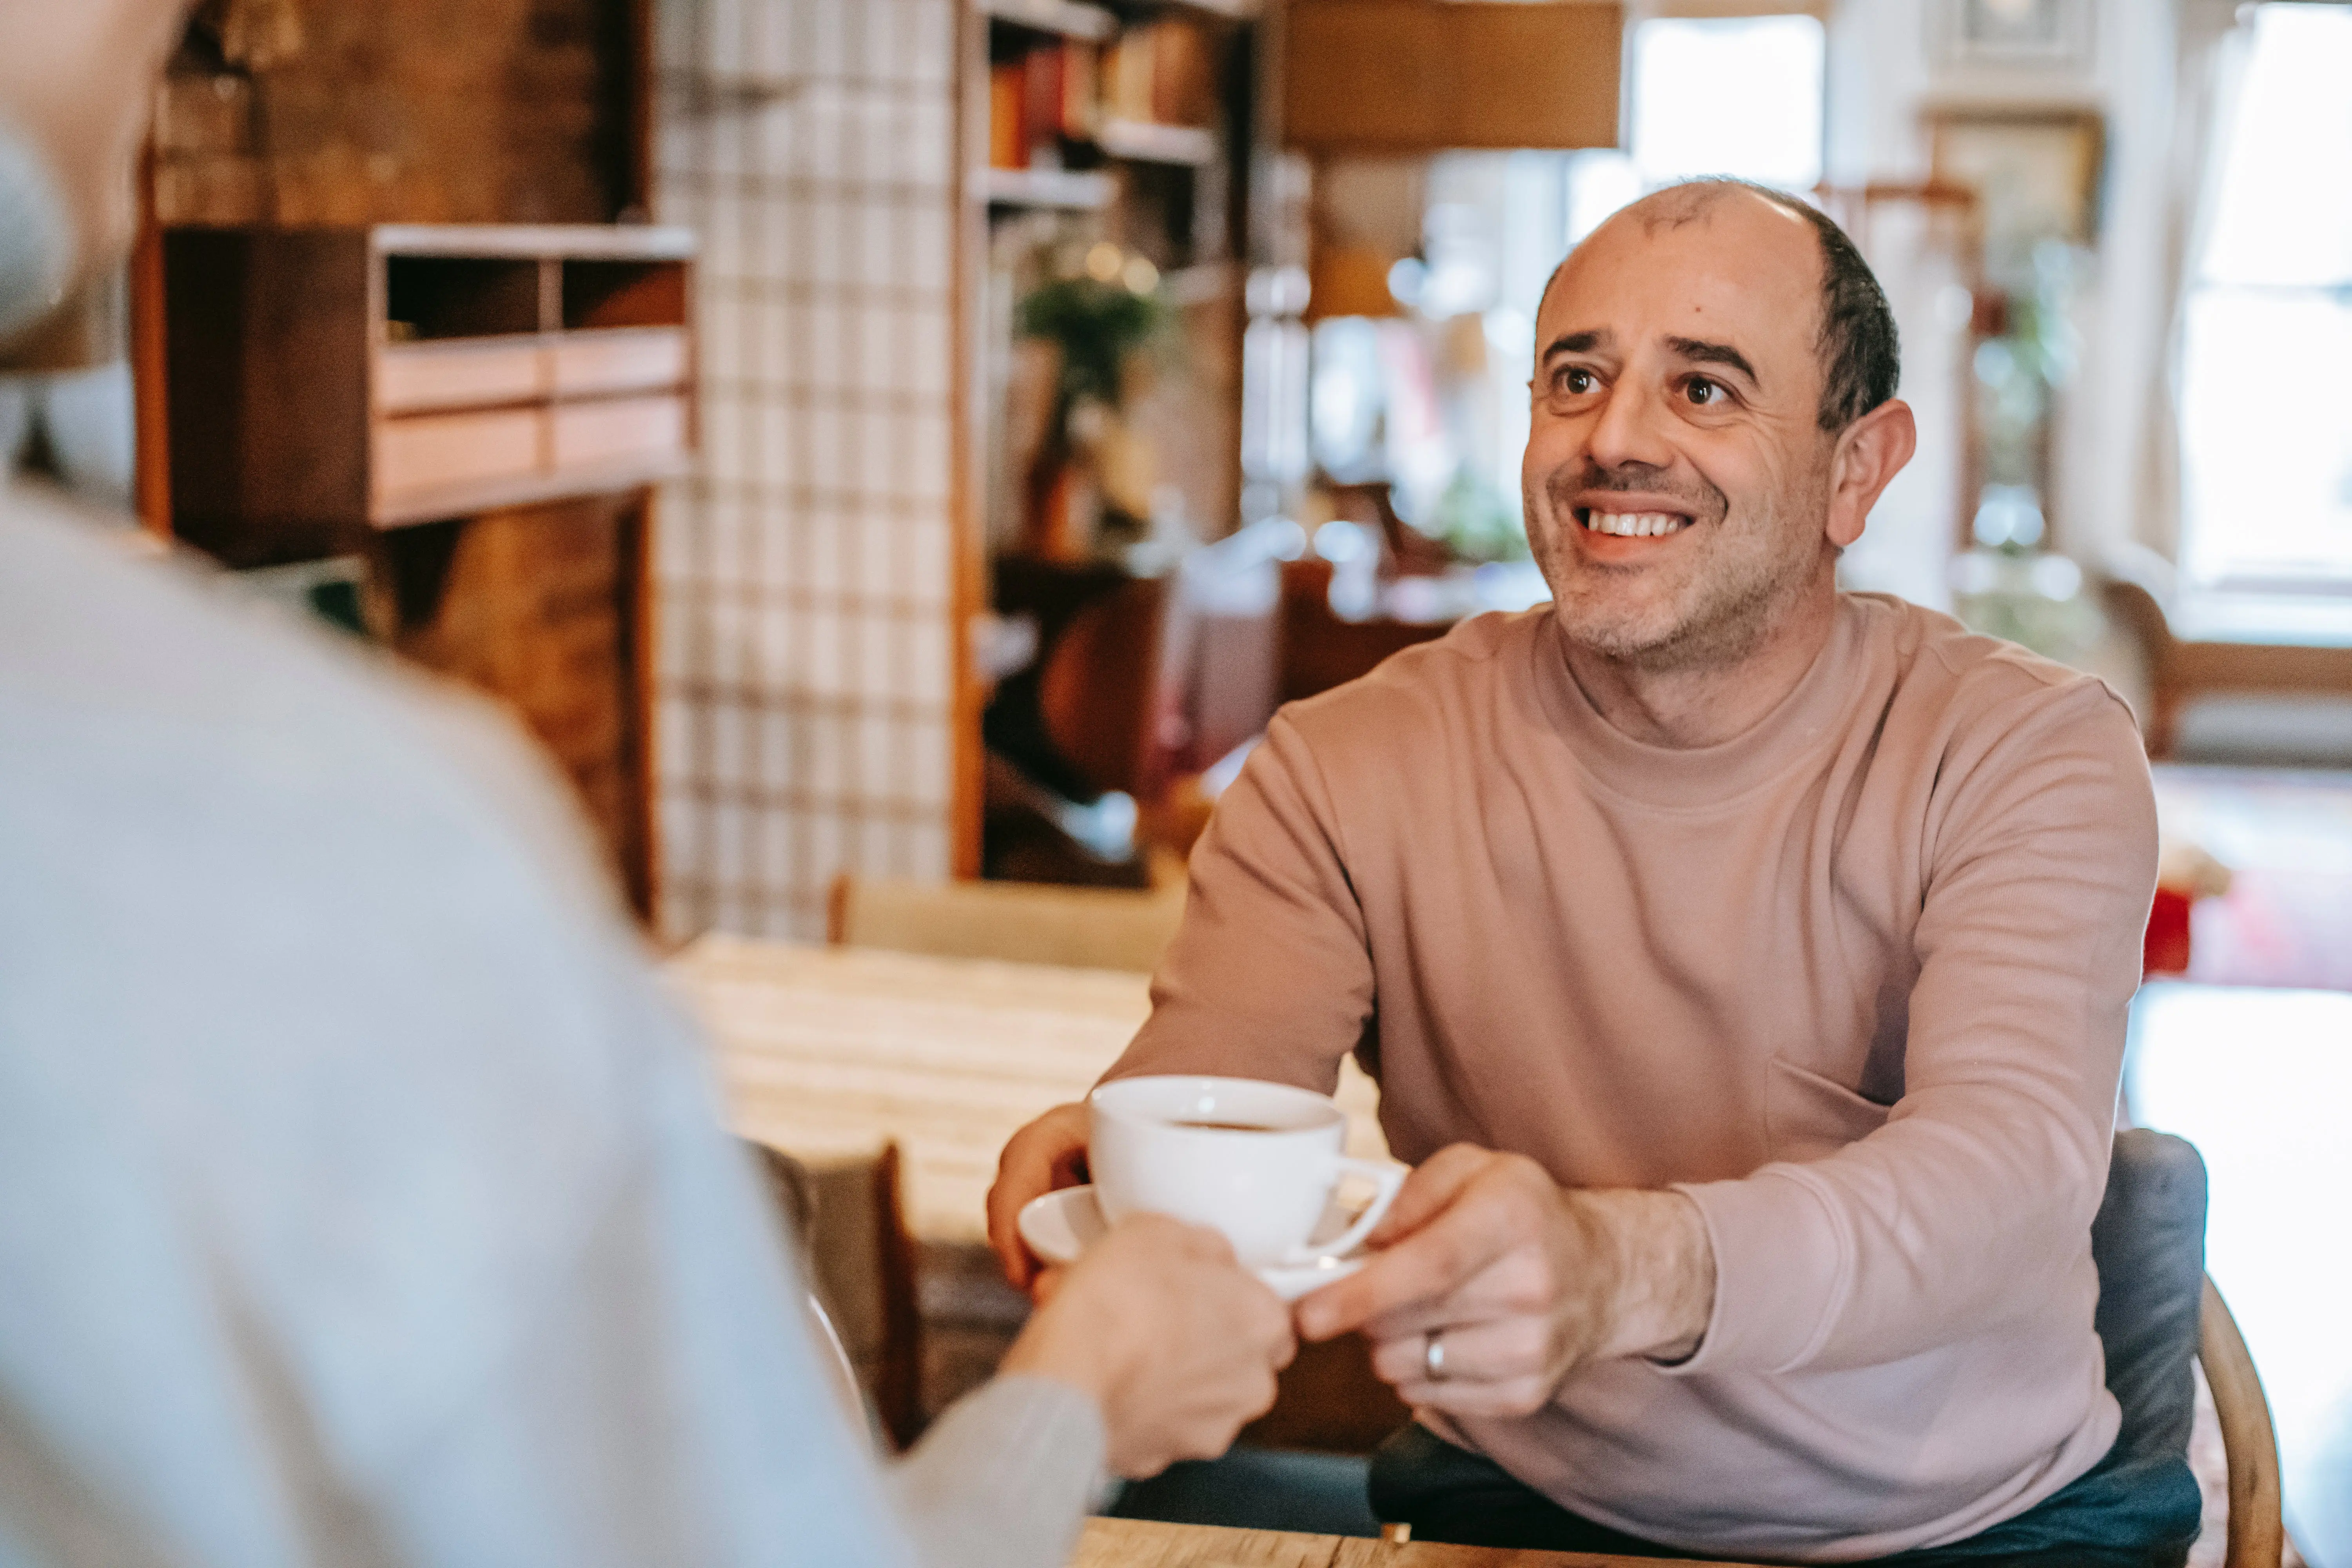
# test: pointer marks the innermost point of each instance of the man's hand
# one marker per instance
(1521, 1281)
(1177, 1343)
(1046, 1156)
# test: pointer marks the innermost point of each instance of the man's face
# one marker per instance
(1677, 477)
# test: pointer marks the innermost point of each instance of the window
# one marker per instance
(1740, 96)
(1728, 96)
(2265, 398)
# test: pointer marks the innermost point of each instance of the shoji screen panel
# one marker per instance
(805, 715)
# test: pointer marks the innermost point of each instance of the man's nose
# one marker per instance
(1631, 429)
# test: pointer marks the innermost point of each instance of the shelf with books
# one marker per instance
(1100, 311)
(1142, 94)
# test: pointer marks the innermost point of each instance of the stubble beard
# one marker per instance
(1728, 592)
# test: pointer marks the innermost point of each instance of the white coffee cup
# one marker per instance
(1258, 1161)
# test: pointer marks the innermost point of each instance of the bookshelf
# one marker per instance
(1121, 133)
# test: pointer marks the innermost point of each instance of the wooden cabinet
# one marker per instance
(326, 383)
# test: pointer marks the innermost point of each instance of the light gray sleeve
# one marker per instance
(1003, 1478)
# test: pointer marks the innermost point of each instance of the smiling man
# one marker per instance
(1744, 964)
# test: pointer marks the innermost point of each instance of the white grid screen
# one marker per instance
(805, 714)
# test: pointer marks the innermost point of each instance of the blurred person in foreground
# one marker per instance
(1744, 964)
(362, 1199)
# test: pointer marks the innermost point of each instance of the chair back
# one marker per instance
(1024, 922)
(848, 1222)
(2148, 1242)
(2157, 1313)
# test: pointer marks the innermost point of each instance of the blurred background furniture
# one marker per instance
(845, 1217)
(2187, 662)
(327, 382)
(1079, 928)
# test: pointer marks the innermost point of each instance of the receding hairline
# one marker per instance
(1677, 207)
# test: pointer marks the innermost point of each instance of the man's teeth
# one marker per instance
(1636, 524)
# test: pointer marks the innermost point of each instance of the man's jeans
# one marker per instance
(2127, 1511)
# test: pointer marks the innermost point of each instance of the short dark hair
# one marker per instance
(1861, 361)
(1862, 356)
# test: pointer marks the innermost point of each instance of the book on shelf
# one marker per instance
(1154, 74)
(1051, 92)
(1008, 148)
(1161, 72)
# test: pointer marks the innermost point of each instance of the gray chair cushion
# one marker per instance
(2148, 1242)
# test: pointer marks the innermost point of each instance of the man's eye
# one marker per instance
(1702, 392)
(1577, 382)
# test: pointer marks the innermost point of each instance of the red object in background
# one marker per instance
(2167, 948)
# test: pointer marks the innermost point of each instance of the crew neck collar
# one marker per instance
(1702, 775)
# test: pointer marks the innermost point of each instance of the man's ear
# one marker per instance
(1870, 452)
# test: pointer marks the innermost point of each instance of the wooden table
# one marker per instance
(831, 1052)
(1133, 1543)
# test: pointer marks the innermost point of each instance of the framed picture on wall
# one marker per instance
(2037, 172)
(2000, 33)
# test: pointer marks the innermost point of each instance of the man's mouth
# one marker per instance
(1631, 524)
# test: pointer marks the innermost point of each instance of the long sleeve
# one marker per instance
(1003, 1477)
(1973, 1202)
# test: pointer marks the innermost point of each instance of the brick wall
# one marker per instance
(414, 111)
(538, 605)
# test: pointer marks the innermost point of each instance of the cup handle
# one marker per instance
(1389, 1178)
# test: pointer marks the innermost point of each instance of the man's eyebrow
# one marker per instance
(1582, 343)
(1705, 352)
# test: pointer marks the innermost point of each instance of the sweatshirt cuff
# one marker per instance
(1005, 1475)
(1781, 1265)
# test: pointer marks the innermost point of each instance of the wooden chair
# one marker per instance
(2257, 1525)
(1027, 923)
(849, 1222)
(2181, 670)
(2158, 1311)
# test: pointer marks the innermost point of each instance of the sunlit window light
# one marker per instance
(2267, 445)
(1738, 96)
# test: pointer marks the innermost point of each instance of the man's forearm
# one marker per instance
(1661, 1268)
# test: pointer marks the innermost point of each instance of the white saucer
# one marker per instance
(1060, 1226)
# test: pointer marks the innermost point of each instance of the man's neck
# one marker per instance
(1706, 704)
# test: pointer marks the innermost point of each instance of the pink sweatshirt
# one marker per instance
(1855, 980)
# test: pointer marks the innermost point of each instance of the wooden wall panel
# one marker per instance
(1405, 75)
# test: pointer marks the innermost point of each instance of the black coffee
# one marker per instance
(1229, 1126)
